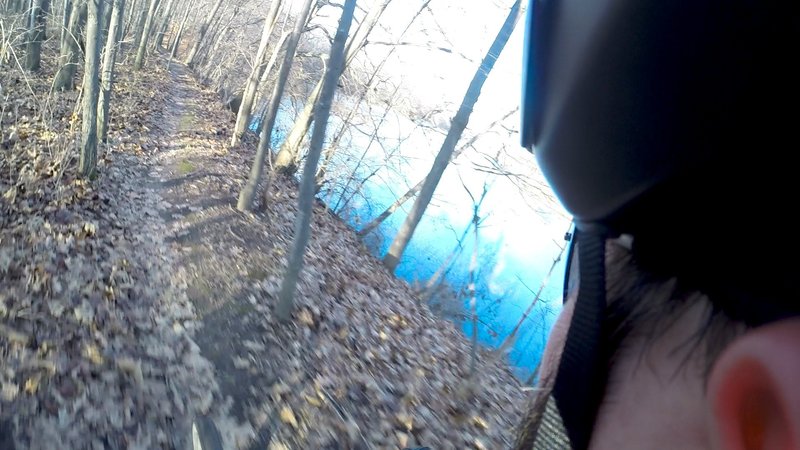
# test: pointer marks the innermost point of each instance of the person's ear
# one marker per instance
(754, 390)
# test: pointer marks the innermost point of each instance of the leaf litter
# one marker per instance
(363, 364)
(88, 305)
(134, 303)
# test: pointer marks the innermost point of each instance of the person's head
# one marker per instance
(667, 130)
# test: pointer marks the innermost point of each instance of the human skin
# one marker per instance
(659, 397)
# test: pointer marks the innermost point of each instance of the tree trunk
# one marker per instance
(91, 85)
(457, 127)
(47, 11)
(367, 88)
(148, 26)
(68, 60)
(201, 33)
(138, 32)
(207, 54)
(285, 161)
(248, 193)
(179, 34)
(508, 342)
(65, 21)
(209, 39)
(33, 53)
(302, 226)
(268, 69)
(473, 300)
(105, 21)
(354, 174)
(129, 21)
(161, 29)
(251, 85)
(109, 59)
(377, 221)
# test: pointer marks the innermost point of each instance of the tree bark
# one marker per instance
(33, 53)
(248, 193)
(201, 34)
(109, 59)
(148, 26)
(285, 161)
(207, 54)
(473, 299)
(161, 28)
(459, 123)
(129, 21)
(283, 309)
(179, 34)
(251, 85)
(65, 21)
(268, 69)
(68, 60)
(91, 84)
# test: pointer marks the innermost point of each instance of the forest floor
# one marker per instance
(141, 302)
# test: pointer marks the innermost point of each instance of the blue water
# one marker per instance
(516, 249)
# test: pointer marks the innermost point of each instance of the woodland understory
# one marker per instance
(140, 303)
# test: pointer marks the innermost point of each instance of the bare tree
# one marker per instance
(91, 85)
(70, 49)
(276, 51)
(354, 173)
(109, 59)
(473, 268)
(332, 147)
(161, 28)
(414, 190)
(251, 85)
(248, 193)
(307, 187)
(148, 26)
(457, 126)
(177, 41)
(65, 19)
(207, 56)
(287, 156)
(133, 7)
(201, 33)
(36, 32)
(138, 31)
(509, 341)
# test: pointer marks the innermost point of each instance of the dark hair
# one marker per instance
(641, 306)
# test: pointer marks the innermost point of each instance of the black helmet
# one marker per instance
(673, 122)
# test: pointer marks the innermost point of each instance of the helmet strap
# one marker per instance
(581, 379)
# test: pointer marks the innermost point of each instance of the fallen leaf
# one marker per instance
(480, 423)
(92, 353)
(402, 438)
(13, 336)
(304, 316)
(131, 368)
(405, 420)
(240, 363)
(313, 400)
(287, 416)
(32, 384)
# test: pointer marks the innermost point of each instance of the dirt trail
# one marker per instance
(215, 249)
(96, 346)
(362, 365)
